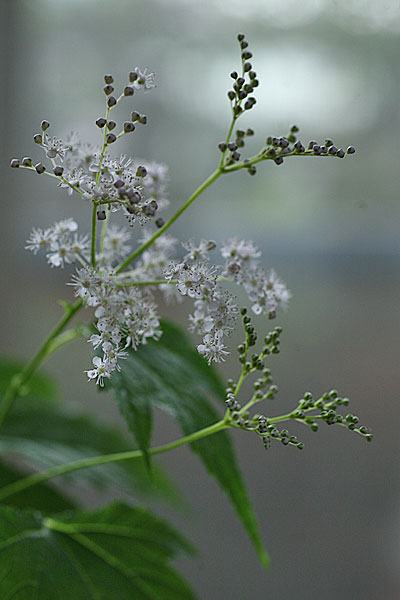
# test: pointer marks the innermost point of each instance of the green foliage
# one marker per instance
(44, 434)
(115, 553)
(41, 497)
(39, 387)
(169, 374)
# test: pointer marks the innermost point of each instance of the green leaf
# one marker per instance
(138, 416)
(171, 375)
(115, 553)
(42, 497)
(45, 434)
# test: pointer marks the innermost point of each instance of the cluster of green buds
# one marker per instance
(275, 149)
(308, 411)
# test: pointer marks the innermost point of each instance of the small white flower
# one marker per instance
(212, 349)
(59, 254)
(102, 369)
(144, 80)
(53, 146)
(40, 238)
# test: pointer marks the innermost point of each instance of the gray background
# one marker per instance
(329, 515)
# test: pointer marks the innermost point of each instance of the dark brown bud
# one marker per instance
(58, 170)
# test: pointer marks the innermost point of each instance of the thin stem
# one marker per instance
(158, 282)
(172, 220)
(93, 238)
(104, 231)
(228, 138)
(261, 157)
(18, 381)
(85, 463)
(67, 336)
(49, 174)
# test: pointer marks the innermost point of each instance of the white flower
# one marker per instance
(60, 252)
(86, 283)
(40, 238)
(201, 322)
(212, 349)
(53, 146)
(102, 369)
(65, 226)
(144, 80)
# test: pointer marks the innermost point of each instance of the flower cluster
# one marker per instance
(215, 309)
(61, 243)
(266, 291)
(109, 182)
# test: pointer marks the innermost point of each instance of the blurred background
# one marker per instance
(329, 515)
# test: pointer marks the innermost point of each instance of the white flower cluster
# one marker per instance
(215, 309)
(266, 291)
(61, 243)
(125, 316)
(116, 183)
(123, 302)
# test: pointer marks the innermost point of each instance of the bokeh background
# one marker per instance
(330, 515)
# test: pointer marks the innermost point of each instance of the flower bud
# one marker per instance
(58, 170)
(100, 122)
(14, 164)
(128, 91)
(110, 138)
(141, 172)
(40, 168)
(44, 125)
(128, 127)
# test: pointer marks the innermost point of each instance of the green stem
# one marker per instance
(104, 231)
(159, 282)
(93, 238)
(17, 382)
(172, 220)
(261, 157)
(85, 463)
(68, 336)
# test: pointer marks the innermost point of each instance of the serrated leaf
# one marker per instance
(42, 497)
(115, 553)
(45, 434)
(175, 378)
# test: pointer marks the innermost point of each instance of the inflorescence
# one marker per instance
(125, 311)
(276, 148)
(308, 410)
